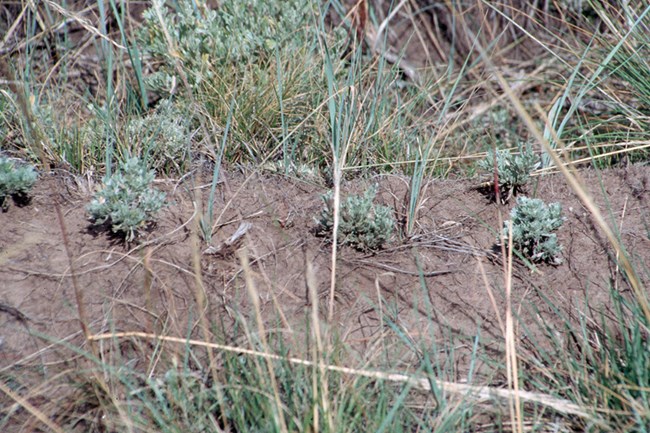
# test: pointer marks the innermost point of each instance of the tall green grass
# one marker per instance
(599, 360)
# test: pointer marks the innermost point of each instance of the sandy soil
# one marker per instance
(380, 297)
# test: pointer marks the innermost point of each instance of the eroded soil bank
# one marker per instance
(430, 288)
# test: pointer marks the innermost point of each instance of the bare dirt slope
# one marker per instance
(430, 288)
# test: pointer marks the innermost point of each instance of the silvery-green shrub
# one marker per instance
(362, 224)
(533, 227)
(14, 180)
(127, 200)
(235, 32)
(513, 170)
(161, 137)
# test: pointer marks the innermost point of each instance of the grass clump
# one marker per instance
(606, 362)
(533, 223)
(362, 224)
(203, 38)
(513, 170)
(15, 181)
(127, 199)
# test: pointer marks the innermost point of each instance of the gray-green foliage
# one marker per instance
(15, 180)
(233, 33)
(127, 200)
(161, 138)
(533, 224)
(362, 224)
(513, 169)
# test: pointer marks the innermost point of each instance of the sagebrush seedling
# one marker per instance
(533, 227)
(161, 137)
(127, 201)
(513, 170)
(15, 180)
(362, 224)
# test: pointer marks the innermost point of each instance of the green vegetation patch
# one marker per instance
(533, 226)
(513, 170)
(234, 33)
(127, 201)
(15, 180)
(362, 224)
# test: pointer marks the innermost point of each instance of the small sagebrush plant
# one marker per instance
(127, 201)
(533, 227)
(15, 180)
(362, 224)
(513, 169)
(161, 137)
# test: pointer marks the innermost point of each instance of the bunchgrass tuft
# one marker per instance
(205, 39)
(598, 359)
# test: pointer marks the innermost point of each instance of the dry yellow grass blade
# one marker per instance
(82, 22)
(30, 408)
(242, 255)
(516, 418)
(636, 146)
